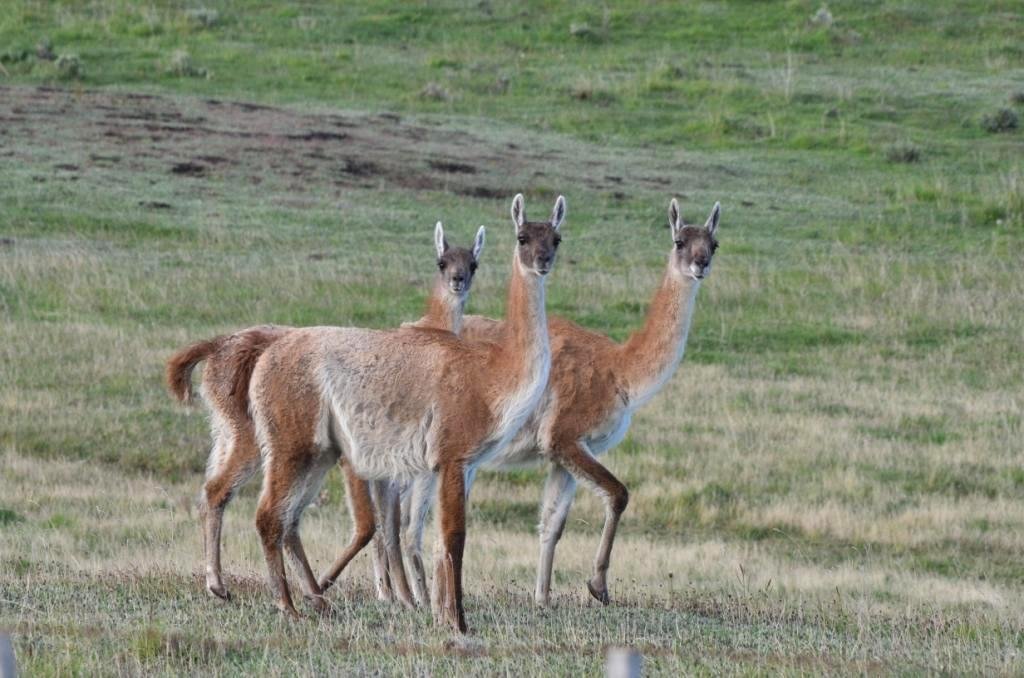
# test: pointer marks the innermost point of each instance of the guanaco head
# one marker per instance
(538, 240)
(694, 245)
(456, 266)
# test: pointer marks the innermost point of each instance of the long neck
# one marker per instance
(444, 310)
(524, 351)
(650, 355)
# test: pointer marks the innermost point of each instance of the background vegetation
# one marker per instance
(832, 482)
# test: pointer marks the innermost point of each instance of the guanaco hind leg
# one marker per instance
(388, 514)
(416, 502)
(233, 461)
(559, 490)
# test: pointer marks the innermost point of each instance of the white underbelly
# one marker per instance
(385, 451)
(609, 435)
(522, 449)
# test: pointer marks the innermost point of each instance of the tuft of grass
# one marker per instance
(69, 67)
(823, 17)
(434, 91)
(1003, 120)
(44, 50)
(181, 65)
(203, 16)
(903, 152)
(593, 92)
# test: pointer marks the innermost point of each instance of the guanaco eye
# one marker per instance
(522, 240)
(441, 265)
(472, 267)
(679, 244)
(558, 240)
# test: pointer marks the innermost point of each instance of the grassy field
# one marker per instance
(832, 483)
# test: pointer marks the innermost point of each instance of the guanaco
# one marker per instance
(595, 387)
(398, 405)
(235, 457)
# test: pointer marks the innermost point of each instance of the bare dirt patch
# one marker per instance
(197, 140)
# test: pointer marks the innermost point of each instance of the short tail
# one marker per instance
(181, 364)
(242, 357)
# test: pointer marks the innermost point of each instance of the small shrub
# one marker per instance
(903, 152)
(44, 50)
(13, 56)
(501, 84)
(586, 90)
(589, 32)
(1003, 120)
(203, 16)
(582, 30)
(1017, 98)
(181, 65)
(823, 17)
(69, 67)
(433, 91)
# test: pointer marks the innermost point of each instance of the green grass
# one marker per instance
(832, 482)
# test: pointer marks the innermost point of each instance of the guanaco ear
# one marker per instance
(439, 242)
(518, 211)
(558, 214)
(478, 244)
(712, 223)
(674, 220)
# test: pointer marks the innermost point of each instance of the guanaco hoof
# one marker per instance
(218, 591)
(318, 603)
(601, 595)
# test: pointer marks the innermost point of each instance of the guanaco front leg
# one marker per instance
(310, 588)
(576, 458)
(451, 509)
(360, 507)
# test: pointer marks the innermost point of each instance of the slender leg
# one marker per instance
(270, 524)
(386, 500)
(310, 589)
(232, 463)
(381, 578)
(559, 490)
(308, 486)
(415, 507)
(576, 458)
(448, 575)
(360, 507)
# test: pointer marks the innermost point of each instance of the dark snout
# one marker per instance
(545, 260)
(459, 282)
